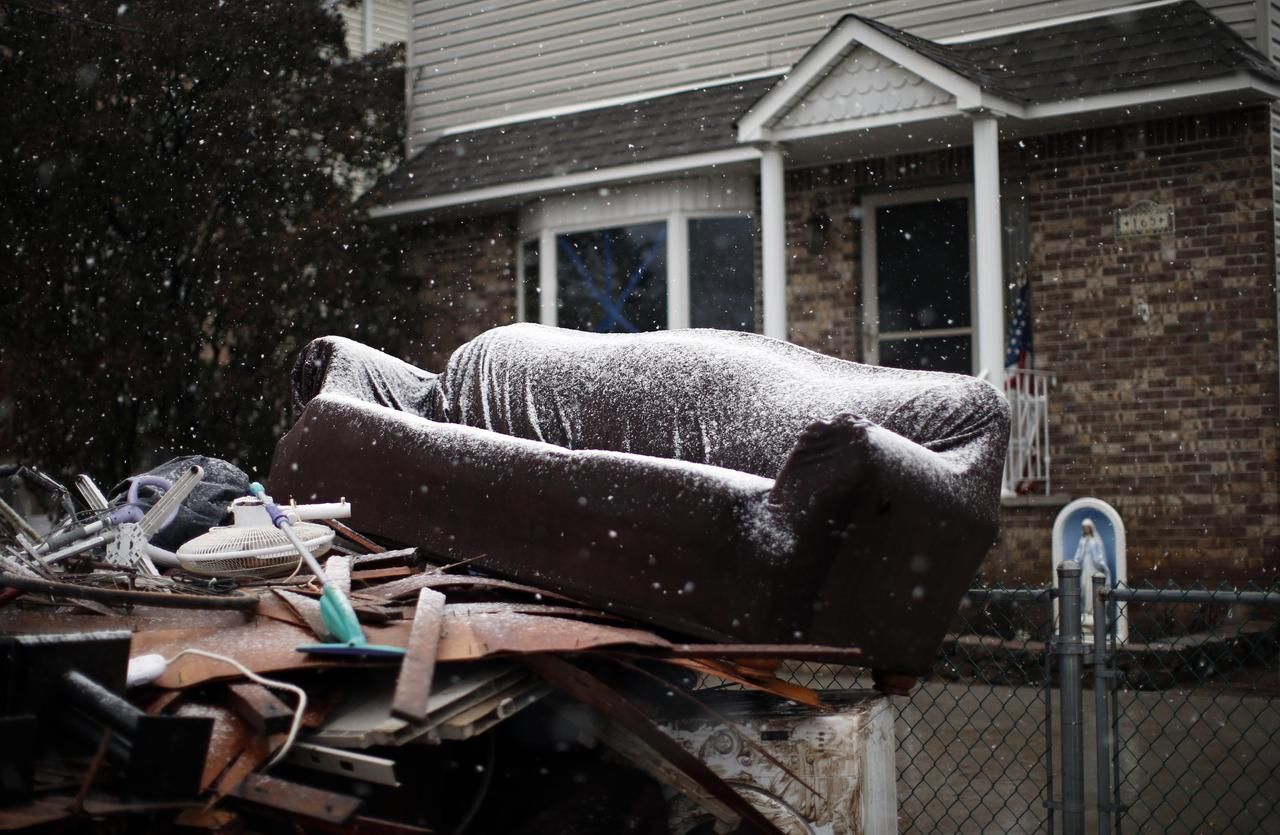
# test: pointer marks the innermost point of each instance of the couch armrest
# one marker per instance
(337, 365)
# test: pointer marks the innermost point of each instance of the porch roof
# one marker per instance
(1161, 50)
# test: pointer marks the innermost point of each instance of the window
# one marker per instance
(613, 280)
(917, 287)
(722, 284)
(660, 255)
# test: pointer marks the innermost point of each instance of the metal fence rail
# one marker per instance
(1189, 737)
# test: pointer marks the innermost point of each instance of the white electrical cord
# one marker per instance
(265, 682)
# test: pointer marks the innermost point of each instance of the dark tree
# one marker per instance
(177, 219)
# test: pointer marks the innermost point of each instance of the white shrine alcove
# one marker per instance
(1110, 529)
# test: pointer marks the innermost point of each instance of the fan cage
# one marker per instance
(241, 550)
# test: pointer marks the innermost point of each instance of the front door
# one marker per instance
(917, 281)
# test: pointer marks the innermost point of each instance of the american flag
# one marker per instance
(1018, 354)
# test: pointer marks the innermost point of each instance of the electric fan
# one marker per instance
(253, 547)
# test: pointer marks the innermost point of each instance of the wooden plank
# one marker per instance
(338, 571)
(306, 608)
(260, 707)
(379, 575)
(413, 687)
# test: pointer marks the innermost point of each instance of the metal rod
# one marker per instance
(1255, 598)
(121, 597)
(1010, 595)
(1070, 649)
(1101, 684)
(158, 516)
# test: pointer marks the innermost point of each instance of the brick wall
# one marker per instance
(465, 271)
(1164, 346)
(824, 265)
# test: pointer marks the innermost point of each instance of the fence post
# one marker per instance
(1070, 649)
(1102, 676)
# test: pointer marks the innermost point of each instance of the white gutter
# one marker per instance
(1236, 83)
(566, 182)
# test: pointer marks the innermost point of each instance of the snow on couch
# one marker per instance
(719, 484)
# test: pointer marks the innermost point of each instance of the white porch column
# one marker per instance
(547, 277)
(678, 303)
(986, 216)
(773, 242)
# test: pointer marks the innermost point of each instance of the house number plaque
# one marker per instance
(1144, 218)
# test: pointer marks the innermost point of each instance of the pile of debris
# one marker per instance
(235, 679)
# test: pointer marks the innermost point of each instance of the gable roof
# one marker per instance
(678, 125)
(1164, 49)
(1019, 73)
(1148, 47)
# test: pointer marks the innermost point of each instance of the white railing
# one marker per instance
(1026, 469)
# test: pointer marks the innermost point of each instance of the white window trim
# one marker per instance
(680, 201)
(870, 274)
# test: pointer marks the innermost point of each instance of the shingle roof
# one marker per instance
(659, 128)
(1150, 47)
(1160, 46)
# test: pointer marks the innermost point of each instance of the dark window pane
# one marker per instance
(722, 287)
(531, 283)
(939, 353)
(613, 280)
(922, 265)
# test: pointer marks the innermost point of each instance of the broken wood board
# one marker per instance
(413, 687)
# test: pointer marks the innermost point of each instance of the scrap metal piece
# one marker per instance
(597, 695)
(15, 521)
(297, 799)
(488, 713)
(413, 686)
(357, 766)
(125, 597)
(364, 719)
(76, 682)
(167, 505)
(93, 497)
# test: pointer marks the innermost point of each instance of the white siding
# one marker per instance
(390, 24)
(476, 60)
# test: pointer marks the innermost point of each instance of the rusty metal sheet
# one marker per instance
(400, 589)
(413, 686)
(264, 646)
(479, 635)
(307, 609)
(551, 609)
(230, 736)
(751, 679)
(297, 799)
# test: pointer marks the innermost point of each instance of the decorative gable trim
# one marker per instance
(849, 35)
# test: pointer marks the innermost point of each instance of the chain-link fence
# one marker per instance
(1189, 695)
(1197, 709)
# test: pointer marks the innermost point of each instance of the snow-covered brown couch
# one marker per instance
(719, 484)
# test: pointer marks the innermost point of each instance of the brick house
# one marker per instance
(896, 186)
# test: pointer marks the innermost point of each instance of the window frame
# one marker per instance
(869, 204)
(625, 209)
